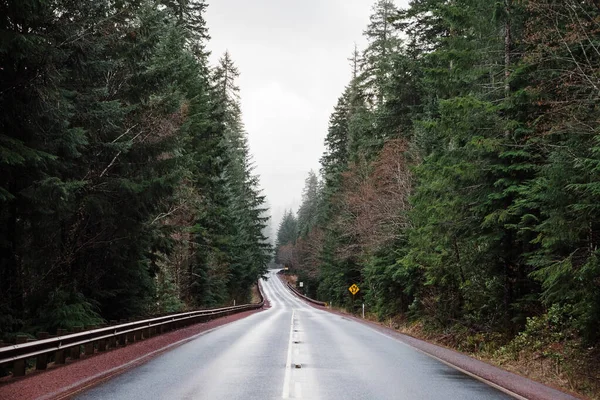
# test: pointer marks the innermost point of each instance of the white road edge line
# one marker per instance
(80, 386)
(472, 375)
(298, 391)
(288, 364)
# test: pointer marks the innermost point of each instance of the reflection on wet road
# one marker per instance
(293, 351)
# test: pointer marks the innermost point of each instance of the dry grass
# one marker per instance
(573, 369)
(255, 297)
(290, 278)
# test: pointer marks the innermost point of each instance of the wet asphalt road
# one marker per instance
(257, 358)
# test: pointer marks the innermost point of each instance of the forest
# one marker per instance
(126, 183)
(460, 185)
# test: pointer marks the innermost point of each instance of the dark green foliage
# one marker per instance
(111, 135)
(67, 310)
(308, 213)
(288, 230)
(496, 101)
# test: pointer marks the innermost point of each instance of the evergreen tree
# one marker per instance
(383, 44)
(309, 209)
(247, 205)
(112, 136)
(560, 97)
(287, 233)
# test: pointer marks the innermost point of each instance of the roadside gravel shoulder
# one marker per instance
(62, 382)
(513, 384)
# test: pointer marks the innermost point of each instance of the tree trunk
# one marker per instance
(507, 53)
(507, 48)
(10, 278)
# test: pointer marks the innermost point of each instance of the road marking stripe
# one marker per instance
(288, 364)
(297, 390)
(103, 376)
(472, 375)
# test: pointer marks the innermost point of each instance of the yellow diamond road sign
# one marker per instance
(353, 289)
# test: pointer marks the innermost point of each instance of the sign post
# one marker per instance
(353, 289)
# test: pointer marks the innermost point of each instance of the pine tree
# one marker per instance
(470, 172)
(308, 212)
(122, 139)
(250, 249)
(288, 229)
(383, 44)
(561, 70)
(335, 159)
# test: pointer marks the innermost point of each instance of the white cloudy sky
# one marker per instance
(292, 55)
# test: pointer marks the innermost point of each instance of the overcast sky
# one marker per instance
(292, 56)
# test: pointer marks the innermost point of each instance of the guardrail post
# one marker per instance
(41, 361)
(138, 335)
(59, 356)
(76, 350)
(130, 337)
(123, 339)
(102, 342)
(89, 347)
(112, 341)
(19, 365)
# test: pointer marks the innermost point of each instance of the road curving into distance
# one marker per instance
(294, 351)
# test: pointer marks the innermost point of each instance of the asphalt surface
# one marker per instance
(293, 350)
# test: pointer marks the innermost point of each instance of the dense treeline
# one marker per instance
(460, 184)
(126, 186)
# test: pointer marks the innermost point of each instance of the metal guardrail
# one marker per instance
(297, 293)
(105, 338)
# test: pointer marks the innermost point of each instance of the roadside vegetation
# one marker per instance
(460, 185)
